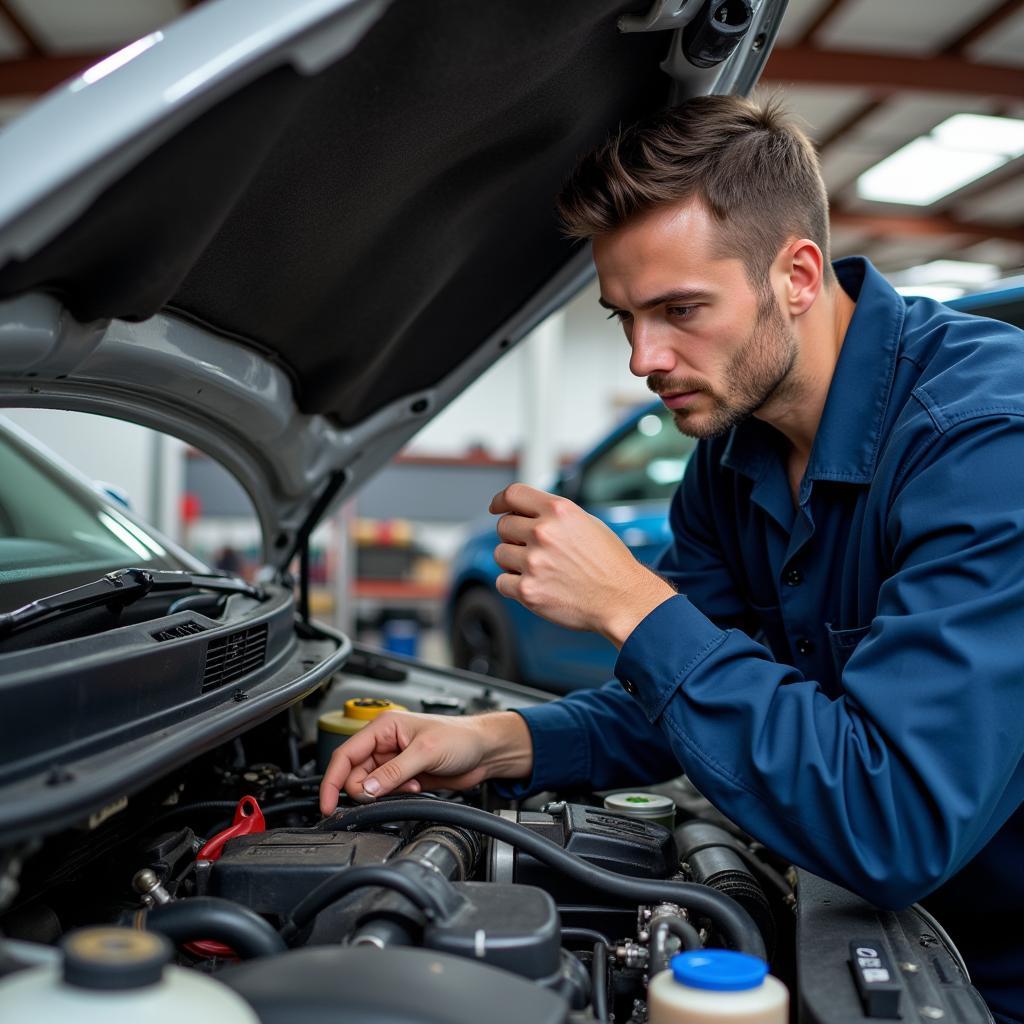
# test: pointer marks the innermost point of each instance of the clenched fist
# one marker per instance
(567, 566)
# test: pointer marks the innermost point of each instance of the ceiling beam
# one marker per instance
(31, 76)
(884, 74)
(818, 21)
(879, 225)
(1006, 10)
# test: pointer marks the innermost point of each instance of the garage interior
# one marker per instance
(868, 78)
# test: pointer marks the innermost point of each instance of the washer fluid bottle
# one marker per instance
(334, 727)
(118, 976)
(717, 986)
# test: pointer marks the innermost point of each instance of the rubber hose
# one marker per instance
(599, 983)
(584, 935)
(682, 930)
(207, 917)
(300, 804)
(332, 889)
(736, 926)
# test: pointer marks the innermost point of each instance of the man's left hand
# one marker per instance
(567, 566)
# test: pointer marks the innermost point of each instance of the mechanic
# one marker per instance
(832, 647)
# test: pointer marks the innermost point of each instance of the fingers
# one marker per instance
(354, 756)
(521, 498)
(511, 557)
(515, 529)
(508, 585)
(399, 770)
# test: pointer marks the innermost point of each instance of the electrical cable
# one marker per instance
(332, 889)
(736, 926)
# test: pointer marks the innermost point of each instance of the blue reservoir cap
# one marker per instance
(721, 970)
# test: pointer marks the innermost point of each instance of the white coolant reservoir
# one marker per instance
(717, 986)
(117, 976)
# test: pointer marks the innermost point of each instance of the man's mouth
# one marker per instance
(678, 399)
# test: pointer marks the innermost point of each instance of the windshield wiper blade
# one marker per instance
(116, 590)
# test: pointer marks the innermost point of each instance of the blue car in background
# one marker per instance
(627, 480)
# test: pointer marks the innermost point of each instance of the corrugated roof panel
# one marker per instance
(920, 27)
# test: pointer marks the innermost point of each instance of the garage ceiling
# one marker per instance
(866, 77)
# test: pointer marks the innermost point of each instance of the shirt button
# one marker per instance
(804, 646)
(793, 578)
(629, 686)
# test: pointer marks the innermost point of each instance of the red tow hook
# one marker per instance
(248, 820)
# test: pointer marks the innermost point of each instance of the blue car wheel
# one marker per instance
(481, 636)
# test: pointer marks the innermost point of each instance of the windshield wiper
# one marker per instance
(116, 590)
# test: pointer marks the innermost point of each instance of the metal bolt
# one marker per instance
(932, 1012)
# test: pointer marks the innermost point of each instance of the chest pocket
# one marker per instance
(843, 642)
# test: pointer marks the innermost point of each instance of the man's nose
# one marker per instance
(650, 352)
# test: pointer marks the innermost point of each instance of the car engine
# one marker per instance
(436, 907)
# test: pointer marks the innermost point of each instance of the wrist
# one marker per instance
(649, 592)
(508, 745)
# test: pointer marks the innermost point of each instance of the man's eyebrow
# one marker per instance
(677, 295)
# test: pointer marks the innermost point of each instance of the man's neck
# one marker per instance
(820, 333)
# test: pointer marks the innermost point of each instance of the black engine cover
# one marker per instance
(271, 871)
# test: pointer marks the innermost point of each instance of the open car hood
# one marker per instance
(290, 233)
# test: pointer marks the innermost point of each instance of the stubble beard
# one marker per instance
(761, 371)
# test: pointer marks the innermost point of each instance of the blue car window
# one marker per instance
(644, 464)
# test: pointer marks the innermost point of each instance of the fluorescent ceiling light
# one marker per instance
(923, 171)
(949, 272)
(960, 150)
(982, 134)
(939, 292)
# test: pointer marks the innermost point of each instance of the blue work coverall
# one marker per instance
(845, 679)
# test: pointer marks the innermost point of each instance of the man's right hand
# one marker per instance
(407, 753)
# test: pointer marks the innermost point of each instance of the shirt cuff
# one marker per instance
(561, 752)
(665, 647)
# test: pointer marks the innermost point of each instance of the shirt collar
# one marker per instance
(850, 433)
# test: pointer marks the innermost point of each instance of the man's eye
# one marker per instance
(618, 314)
(681, 312)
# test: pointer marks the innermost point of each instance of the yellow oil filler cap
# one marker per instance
(334, 727)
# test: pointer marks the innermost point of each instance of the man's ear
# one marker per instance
(801, 267)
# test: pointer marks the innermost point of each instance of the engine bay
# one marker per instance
(436, 907)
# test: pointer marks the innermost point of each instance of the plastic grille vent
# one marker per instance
(230, 657)
(178, 631)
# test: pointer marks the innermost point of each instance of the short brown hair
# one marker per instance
(754, 171)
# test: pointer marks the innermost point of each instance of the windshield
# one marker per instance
(56, 533)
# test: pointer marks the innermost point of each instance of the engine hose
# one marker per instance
(207, 917)
(730, 919)
(687, 935)
(281, 807)
(332, 889)
(599, 983)
(585, 936)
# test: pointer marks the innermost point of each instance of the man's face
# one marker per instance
(713, 347)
